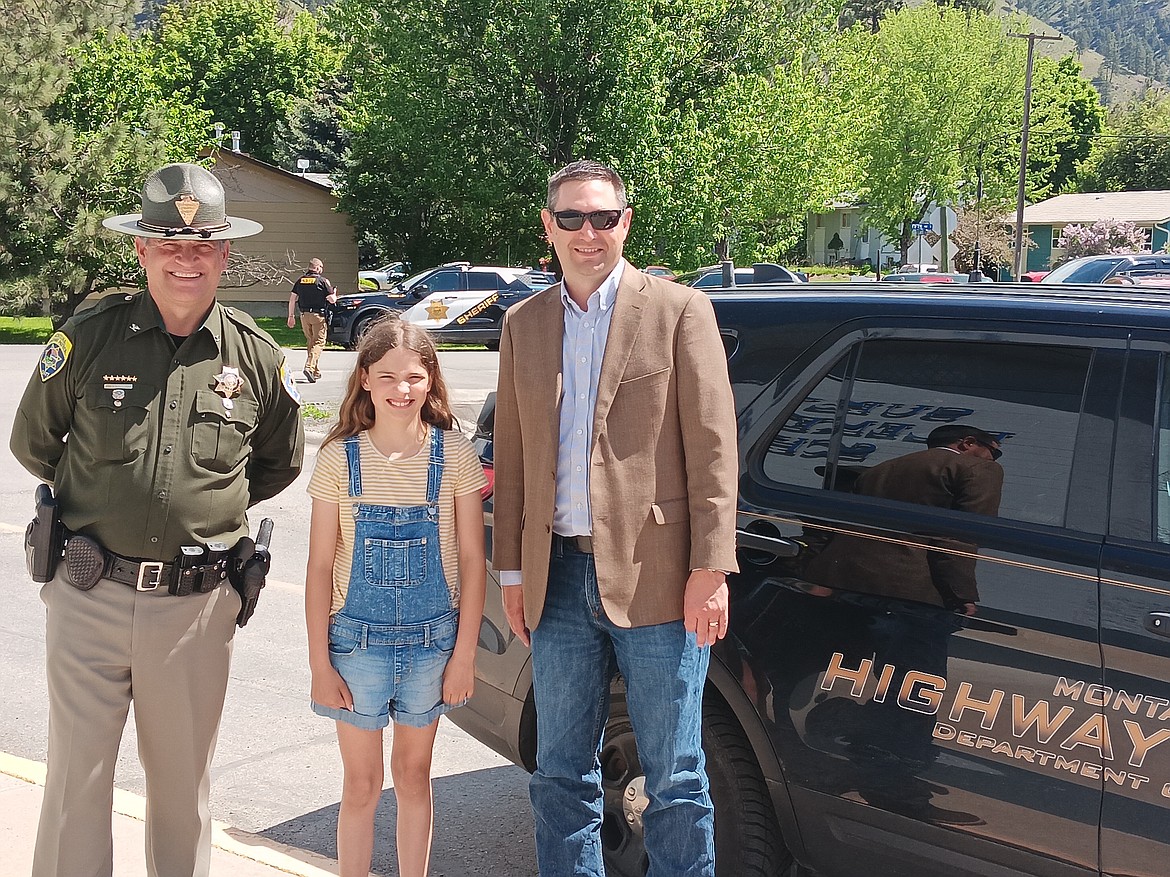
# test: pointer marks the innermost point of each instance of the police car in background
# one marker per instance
(460, 285)
(475, 315)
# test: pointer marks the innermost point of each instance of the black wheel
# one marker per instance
(492, 345)
(747, 835)
(362, 326)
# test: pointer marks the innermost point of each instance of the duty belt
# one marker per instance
(198, 569)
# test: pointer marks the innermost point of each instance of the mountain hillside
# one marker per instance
(1132, 35)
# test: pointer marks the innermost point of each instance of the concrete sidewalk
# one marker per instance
(234, 853)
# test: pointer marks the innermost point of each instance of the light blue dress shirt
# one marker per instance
(582, 349)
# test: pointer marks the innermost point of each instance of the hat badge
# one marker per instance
(187, 205)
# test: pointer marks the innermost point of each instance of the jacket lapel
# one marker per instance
(623, 329)
(541, 350)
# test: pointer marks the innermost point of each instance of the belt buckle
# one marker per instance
(155, 568)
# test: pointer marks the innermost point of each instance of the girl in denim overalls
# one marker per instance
(396, 511)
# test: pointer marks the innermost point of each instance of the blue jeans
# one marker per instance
(574, 652)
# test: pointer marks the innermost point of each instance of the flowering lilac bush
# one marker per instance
(1102, 237)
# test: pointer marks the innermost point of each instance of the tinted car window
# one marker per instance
(1162, 479)
(484, 280)
(715, 279)
(883, 400)
(443, 281)
(1091, 271)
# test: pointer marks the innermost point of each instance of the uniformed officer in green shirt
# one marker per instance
(158, 418)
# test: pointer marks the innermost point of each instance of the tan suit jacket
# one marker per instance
(663, 460)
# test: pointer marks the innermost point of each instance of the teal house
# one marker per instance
(1043, 222)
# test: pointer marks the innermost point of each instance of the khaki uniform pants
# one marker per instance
(170, 655)
(313, 325)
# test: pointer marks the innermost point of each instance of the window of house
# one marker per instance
(883, 400)
(844, 220)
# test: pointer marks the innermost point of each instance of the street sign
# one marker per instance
(920, 227)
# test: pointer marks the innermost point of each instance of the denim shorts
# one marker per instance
(393, 671)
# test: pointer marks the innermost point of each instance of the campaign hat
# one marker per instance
(183, 202)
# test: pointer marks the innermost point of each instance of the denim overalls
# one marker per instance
(391, 640)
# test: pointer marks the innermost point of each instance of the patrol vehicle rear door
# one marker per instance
(914, 738)
(1134, 694)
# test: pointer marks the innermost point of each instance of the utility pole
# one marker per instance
(976, 274)
(1019, 252)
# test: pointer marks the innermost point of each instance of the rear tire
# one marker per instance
(362, 326)
(747, 835)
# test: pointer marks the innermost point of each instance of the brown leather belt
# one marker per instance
(584, 544)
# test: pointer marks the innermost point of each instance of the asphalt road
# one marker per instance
(277, 771)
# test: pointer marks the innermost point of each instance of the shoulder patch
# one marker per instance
(55, 355)
(286, 381)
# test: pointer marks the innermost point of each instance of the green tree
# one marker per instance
(943, 97)
(246, 61)
(1067, 116)
(69, 154)
(460, 110)
(1136, 153)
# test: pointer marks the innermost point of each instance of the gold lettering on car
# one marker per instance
(1042, 732)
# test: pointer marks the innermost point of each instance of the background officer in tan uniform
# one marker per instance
(312, 293)
(179, 415)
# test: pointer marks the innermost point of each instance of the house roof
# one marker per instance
(1144, 208)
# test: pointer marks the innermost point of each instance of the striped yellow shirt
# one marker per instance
(400, 483)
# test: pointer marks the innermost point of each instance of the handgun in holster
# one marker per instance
(249, 570)
(44, 539)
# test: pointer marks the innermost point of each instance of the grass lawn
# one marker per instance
(36, 330)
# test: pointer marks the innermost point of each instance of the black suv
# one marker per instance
(352, 314)
(859, 725)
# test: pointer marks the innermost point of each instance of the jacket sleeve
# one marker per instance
(44, 416)
(508, 450)
(278, 444)
(707, 419)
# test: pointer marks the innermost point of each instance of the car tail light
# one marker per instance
(490, 471)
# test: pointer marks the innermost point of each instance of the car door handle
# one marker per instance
(777, 545)
(1158, 622)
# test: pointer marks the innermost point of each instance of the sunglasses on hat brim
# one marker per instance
(601, 220)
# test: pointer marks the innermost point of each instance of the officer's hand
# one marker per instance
(459, 679)
(291, 322)
(513, 596)
(330, 690)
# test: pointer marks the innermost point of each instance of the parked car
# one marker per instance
(711, 277)
(383, 278)
(1098, 269)
(863, 730)
(925, 277)
(659, 271)
(474, 316)
(352, 314)
(917, 268)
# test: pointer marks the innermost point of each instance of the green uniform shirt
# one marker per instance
(150, 448)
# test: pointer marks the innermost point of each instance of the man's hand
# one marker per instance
(291, 321)
(705, 606)
(513, 596)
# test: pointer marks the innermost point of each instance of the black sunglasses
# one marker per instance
(996, 453)
(601, 220)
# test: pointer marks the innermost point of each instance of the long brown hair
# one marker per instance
(357, 408)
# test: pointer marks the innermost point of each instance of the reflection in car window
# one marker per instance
(1162, 484)
(483, 280)
(1027, 396)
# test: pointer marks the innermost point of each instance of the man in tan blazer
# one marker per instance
(616, 468)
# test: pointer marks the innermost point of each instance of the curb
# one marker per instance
(281, 857)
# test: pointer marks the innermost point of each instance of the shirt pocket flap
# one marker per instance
(210, 405)
(670, 511)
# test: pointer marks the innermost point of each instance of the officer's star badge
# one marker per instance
(229, 382)
(436, 310)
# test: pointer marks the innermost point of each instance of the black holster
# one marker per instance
(44, 538)
(248, 569)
